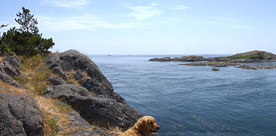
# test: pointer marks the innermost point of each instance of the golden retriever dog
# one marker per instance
(143, 127)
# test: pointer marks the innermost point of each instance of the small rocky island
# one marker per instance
(234, 60)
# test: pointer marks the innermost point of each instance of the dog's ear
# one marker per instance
(141, 123)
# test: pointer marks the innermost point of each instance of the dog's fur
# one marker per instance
(143, 127)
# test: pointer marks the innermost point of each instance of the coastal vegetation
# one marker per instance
(27, 76)
(25, 40)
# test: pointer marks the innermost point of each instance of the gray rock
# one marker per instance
(215, 69)
(73, 60)
(52, 60)
(216, 64)
(19, 116)
(68, 59)
(30, 75)
(5, 67)
(78, 121)
(78, 75)
(9, 69)
(103, 110)
(6, 78)
(13, 60)
(255, 67)
(54, 63)
(59, 71)
(54, 80)
(248, 67)
(65, 90)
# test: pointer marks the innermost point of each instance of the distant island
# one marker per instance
(234, 60)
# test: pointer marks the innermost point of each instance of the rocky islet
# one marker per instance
(239, 60)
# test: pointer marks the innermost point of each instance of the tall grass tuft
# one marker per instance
(50, 126)
(31, 64)
(36, 82)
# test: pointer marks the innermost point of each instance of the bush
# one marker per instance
(25, 43)
(4, 48)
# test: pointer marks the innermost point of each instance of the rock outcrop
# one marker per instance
(19, 115)
(191, 58)
(215, 69)
(261, 55)
(96, 99)
(103, 110)
(95, 83)
(9, 68)
(78, 121)
(93, 98)
(55, 81)
(216, 64)
(255, 67)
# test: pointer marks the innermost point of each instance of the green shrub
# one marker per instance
(4, 48)
(26, 43)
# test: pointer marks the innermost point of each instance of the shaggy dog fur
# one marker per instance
(143, 127)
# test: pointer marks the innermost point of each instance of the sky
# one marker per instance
(130, 27)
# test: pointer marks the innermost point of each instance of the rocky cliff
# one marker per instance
(76, 82)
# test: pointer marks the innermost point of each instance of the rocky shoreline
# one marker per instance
(215, 64)
(94, 100)
(235, 60)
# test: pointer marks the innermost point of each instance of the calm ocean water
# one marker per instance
(194, 101)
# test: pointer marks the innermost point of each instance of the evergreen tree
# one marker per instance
(2, 27)
(26, 40)
(27, 21)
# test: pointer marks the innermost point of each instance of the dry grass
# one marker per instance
(57, 52)
(1, 58)
(32, 63)
(37, 82)
(72, 80)
(50, 110)
(7, 88)
(116, 131)
(50, 123)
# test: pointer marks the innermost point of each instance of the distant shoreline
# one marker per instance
(224, 61)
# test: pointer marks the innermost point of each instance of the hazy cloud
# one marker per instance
(180, 7)
(236, 26)
(153, 4)
(76, 4)
(145, 12)
(84, 22)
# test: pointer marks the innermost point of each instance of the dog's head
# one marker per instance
(147, 125)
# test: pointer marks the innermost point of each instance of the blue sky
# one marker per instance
(152, 26)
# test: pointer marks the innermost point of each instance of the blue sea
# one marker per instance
(193, 100)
